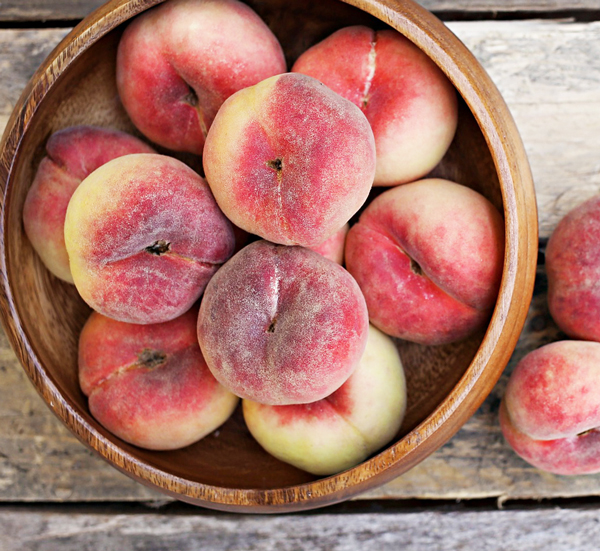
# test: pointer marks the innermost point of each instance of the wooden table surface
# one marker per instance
(544, 56)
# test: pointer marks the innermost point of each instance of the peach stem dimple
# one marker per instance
(151, 358)
(275, 164)
(159, 247)
(147, 358)
(191, 97)
(415, 267)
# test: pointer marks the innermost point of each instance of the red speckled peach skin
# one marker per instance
(290, 160)
(573, 267)
(72, 154)
(333, 248)
(124, 209)
(282, 325)
(149, 384)
(213, 47)
(428, 257)
(553, 391)
(409, 102)
(572, 455)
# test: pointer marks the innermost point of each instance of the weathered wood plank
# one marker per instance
(39, 458)
(21, 52)
(508, 6)
(509, 530)
(69, 10)
(47, 10)
(549, 74)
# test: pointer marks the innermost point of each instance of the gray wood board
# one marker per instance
(47, 10)
(510, 530)
(509, 6)
(549, 73)
(65, 10)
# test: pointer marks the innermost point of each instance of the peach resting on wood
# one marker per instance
(409, 102)
(290, 160)
(342, 429)
(428, 257)
(282, 325)
(178, 62)
(144, 235)
(573, 267)
(71, 155)
(149, 384)
(550, 413)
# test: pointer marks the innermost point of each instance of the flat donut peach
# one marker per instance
(71, 155)
(178, 62)
(428, 257)
(550, 413)
(409, 102)
(344, 428)
(144, 235)
(290, 160)
(149, 384)
(282, 325)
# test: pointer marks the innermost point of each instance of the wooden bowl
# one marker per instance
(228, 470)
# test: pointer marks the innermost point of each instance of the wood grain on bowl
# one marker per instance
(228, 470)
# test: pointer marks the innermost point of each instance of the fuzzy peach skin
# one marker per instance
(550, 413)
(71, 155)
(343, 429)
(282, 325)
(290, 160)
(573, 267)
(149, 384)
(178, 62)
(333, 248)
(144, 236)
(428, 257)
(410, 103)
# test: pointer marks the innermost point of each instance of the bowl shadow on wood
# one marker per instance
(51, 313)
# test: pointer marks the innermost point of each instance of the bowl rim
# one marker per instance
(520, 260)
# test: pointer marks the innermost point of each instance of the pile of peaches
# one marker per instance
(550, 413)
(210, 288)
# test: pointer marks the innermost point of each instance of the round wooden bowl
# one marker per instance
(228, 470)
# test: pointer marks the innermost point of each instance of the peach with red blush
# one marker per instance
(409, 102)
(290, 160)
(573, 268)
(144, 236)
(282, 325)
(71, 155)
(149, 384)
(550, 413)
(178, 62)
(428, 257)
(343, 429)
